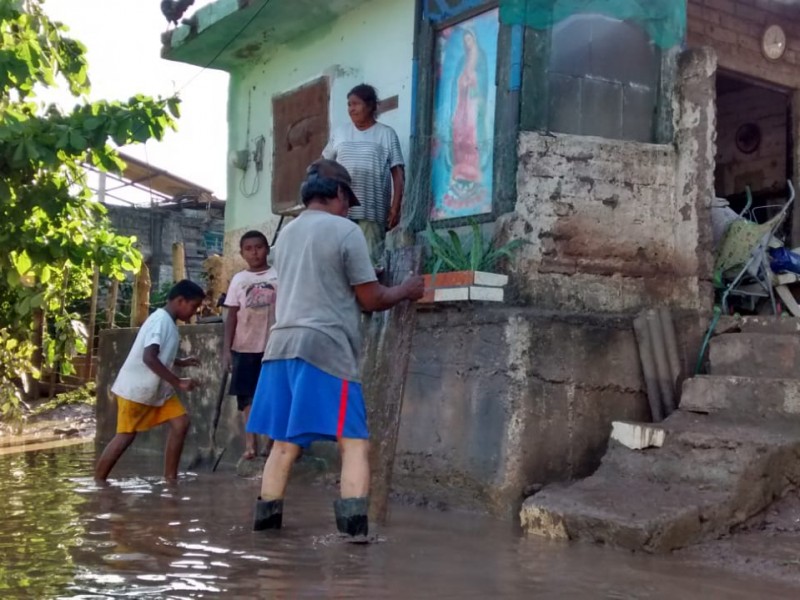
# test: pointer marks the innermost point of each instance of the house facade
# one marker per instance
(597, 131)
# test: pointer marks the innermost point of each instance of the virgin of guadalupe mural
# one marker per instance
(464, 118)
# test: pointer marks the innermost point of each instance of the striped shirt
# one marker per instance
(368, 156)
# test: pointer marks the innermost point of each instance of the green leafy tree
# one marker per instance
(52, 233)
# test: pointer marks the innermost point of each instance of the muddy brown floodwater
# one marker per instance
(61, 536)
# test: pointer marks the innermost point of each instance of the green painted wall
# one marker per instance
(372, 44)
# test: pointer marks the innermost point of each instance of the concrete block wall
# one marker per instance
(157, 229)
(500, 398)
(734, 29)
(607, 230)
(497, 398)
(617, 226)
(203, 341)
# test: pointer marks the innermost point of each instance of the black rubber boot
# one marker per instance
(269, 514)
(351, 516)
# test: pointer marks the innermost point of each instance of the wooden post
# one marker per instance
(87, 368)
(178, 262)
(140, 303)
(111, 304)
(214, 266)
(34, 392)
(386, 352)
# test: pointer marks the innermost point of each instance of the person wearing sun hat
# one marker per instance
(310, 388)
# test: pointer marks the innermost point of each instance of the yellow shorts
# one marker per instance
(134, 416)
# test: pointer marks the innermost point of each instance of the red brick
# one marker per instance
(727, 6)
(453, 279)
(696, 12)
(720, 34)
(749, 42)
(752, 14)
(739, 25)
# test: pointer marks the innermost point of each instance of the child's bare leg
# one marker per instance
(355, 467)
(111, 454)
(277, 469)
(250, 439)
(178, 427)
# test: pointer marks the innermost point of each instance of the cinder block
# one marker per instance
(486, 294)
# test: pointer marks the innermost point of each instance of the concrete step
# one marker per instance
(699, 450)
(755, 355)
(631, 514)
(758, 324)
(763, 397)
(711, 474)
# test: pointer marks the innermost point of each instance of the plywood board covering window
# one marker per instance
(301, 127)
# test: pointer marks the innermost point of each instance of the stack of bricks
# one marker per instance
(734, 28)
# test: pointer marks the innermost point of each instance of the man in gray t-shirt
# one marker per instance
(309, 387)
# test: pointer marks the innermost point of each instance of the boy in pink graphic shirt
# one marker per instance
(251, 313)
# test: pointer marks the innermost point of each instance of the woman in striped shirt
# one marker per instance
(371, 153)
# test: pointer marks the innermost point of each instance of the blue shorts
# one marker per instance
(297, 402)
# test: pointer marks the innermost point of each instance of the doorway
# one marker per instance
(754, 145)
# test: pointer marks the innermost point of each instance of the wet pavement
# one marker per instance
(61, 536)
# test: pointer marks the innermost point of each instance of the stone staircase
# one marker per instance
(731, 449)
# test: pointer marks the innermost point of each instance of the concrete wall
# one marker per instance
(372, 44)
(157, 229)
(616, 226)
(605, 226)
(496, 399)
(203, 341)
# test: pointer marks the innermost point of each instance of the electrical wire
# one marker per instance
(225, 47)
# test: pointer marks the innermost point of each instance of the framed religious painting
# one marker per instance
(465, 91)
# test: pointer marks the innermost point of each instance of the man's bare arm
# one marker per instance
(376, 297)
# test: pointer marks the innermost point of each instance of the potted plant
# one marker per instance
(458, 271)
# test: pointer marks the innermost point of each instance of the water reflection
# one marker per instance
(62, 536)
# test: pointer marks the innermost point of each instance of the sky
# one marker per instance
(123, 39)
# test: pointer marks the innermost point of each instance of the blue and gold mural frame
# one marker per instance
(480, 189)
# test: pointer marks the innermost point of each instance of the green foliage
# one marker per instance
(450, 253)
(15, 373)
(53, 234)
(86, 394)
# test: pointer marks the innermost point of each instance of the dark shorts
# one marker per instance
(246, 367)
(298, 403)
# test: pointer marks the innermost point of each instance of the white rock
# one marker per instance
(637, 436)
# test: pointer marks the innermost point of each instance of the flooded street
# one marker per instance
(61, 536)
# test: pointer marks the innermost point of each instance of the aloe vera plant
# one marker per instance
(448, 253)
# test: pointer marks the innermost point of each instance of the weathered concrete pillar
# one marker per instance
(695, 115)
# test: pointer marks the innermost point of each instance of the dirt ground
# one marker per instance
(71, 421)
(768, 545)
